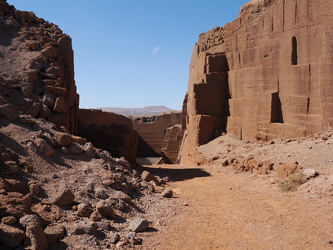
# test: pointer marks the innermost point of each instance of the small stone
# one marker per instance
(54, 233)
(146, 176)
(9, 111)
(121, 244)
(114, 238)
(310, 173)
(85, 228)
(138, 225)
(79, 140)
(63, 139)
(75, 149)
(167, 193)
(96, 216)
(54, 176)
(32, 147)
(35, 237)
(64, 150)
(101, 193)
(29, 219)
(84, 210)
(151, 188)
(64, 198)
(105, 209)
(11, 236)
(60, 105)
(185, 204)
(44, 147)
(89, 150)
(9, 220)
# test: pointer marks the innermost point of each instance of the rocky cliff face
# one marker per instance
(152, 135)
(109, 131)
(36, 69)
(265, 75)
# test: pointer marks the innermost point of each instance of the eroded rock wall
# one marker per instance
(36, 68)
(263, 76)
(109, 131)
(152, 132)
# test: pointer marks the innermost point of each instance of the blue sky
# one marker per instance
(131, 53)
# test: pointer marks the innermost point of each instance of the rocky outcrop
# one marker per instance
(152, 135)
(109, 131)
(37, 72)
(263, 76)
(171, 144)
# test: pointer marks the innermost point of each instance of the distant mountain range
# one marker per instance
(145, 111)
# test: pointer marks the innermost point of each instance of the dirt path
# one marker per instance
(239, 211)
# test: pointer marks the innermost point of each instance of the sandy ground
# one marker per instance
(240, 211)
(218, 208)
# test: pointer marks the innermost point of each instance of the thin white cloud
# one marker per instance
(157, 48)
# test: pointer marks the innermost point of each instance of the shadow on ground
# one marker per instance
(176, 174)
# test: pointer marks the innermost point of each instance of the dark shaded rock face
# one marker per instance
(263, 76)
(109, 131)
(36, 68)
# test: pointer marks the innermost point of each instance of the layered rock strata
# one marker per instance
(152, 135)
(263, 76)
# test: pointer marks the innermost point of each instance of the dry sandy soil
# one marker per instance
(219, 208)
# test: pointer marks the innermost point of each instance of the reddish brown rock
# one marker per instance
(60, 105)
(44, 147)
(63, 139)
(154, 138)
(109, 131)
(11, 236)
(257, 78)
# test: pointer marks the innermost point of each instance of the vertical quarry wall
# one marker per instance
(109, 131)
(37, 70)
(265, 75)
(152, 135)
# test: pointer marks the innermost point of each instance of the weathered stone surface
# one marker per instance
(44, 147)
(60, 105)
(146, 176)
(9, 220)
(256, 77)
(14, 204)
(49, 99)
(54, 233)
(84, 210)
(105, 209)
(79, 140)
(9, 167)
(96, 216)
(11, 236)
(49, 52)
(85, 228)
(167, 193)
(289, 169)
(90, 150)
(63, 139)
(35, 237)
(310, 173)
(9, 111)
(29, 219)
(75, 149)
(138, 225)
(65, 197)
